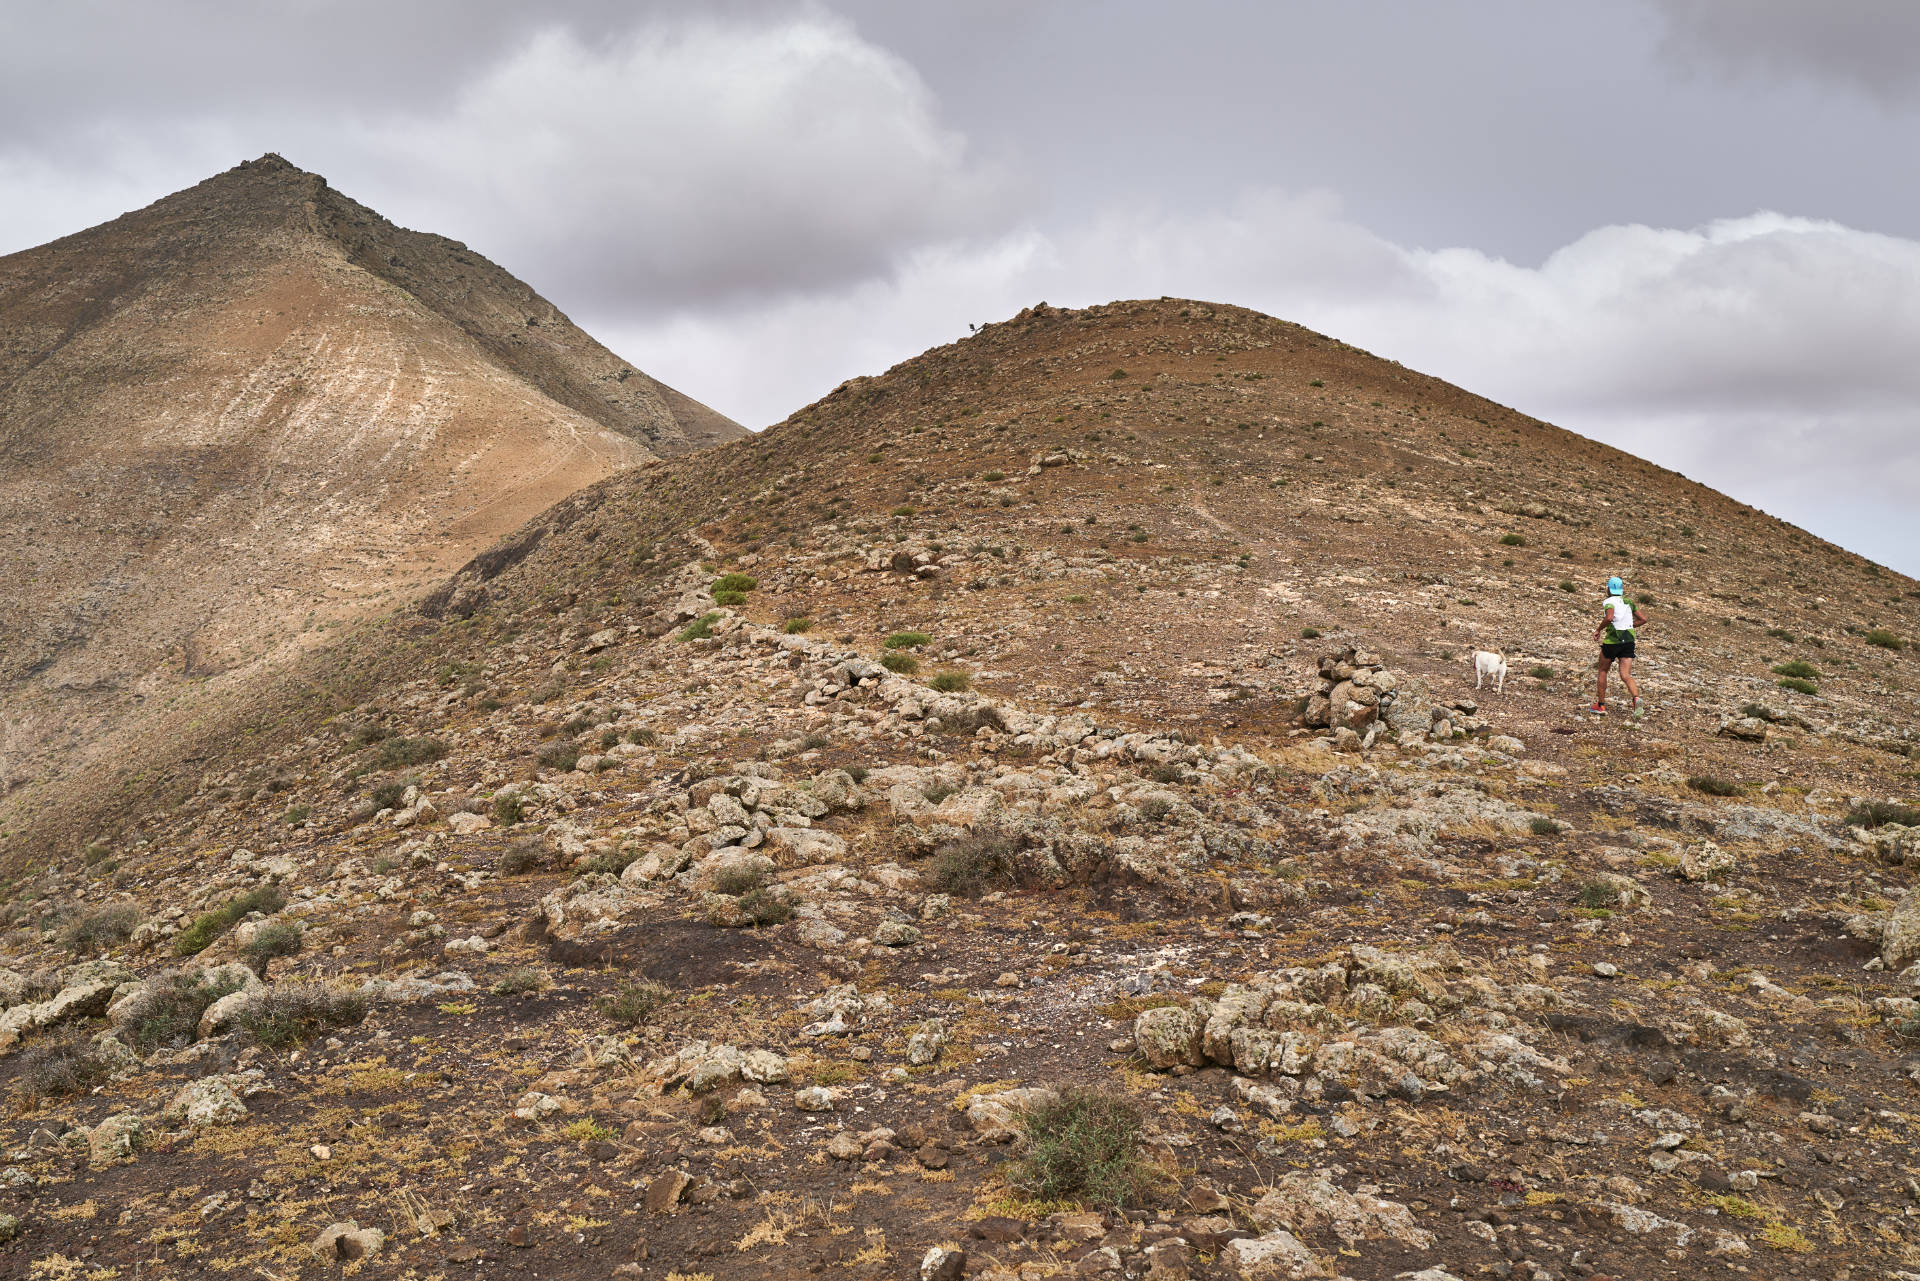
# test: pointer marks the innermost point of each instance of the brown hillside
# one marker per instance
(623, 926)
(256, 410)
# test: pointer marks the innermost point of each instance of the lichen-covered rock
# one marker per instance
(1272, 1256)
(1900, 936)
(1303, 1202)
(995, 1117)
(113, 1139)
(207, 1102)
(1706, 862)
(1169, 1036)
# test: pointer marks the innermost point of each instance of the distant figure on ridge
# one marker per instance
(1615, 635)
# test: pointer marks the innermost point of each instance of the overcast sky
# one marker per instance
(1687, 227)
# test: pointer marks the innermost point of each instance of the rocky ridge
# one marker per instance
(724, 874)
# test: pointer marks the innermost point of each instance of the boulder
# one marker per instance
(1748, 729)
(1706, 862)
(1169, 1036)
(113, 1139)
(1276, 1256)
(207, 1102)
(1301, 1202)
(803, 846)
(996, 1117)
(1900, 936)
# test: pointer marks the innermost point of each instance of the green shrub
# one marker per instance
(1798, 686)
(526, 978)
(388, 795)
(735, 583)
(1714, 785)
(400, 753)
(1598, 894)
(1780, 633)
(1798, 668)
(1540, 672)
(898, 661)
(732, 600)
(795, 626)
(208, 926)
(765, 907)
(1884, 639)
(1759, 712)
(1513, 540)
(509, 807)
(902, 510)
(1543, 827)
(632, 1004)
(699, 629)
(737, 880)
(907, 640)
(992, 476)
(1117, 374)
(290, 1013)
(271, 942)
(1139, 536)
(167, 1011)
(1568, 585)
(1309, 633)
(297, 816)
(1086, 1146)
(1880, 813)
(858, 773)
(951, 682)
(562, 756)
(100, 929)
(972, 865)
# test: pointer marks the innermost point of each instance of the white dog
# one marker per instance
(1487, 663)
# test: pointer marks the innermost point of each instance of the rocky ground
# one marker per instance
(731, 874)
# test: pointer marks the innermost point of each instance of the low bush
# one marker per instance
(1086, 1145)
(731, 600)
(167, 1011)
(735, 583)
(1884, 639)
(509, 807)
(906, 640)
(699, 629)
(1799, 668)
(1598, 894)
(525, 979)
(1880, 813)
(902, 510)
(1568, 585)
(100, 929)
(795, 626)
(1714, 785)
(527, 854)
(1798, 686)
(388, 795)
(1513, 540)
(1759, 712)
(291, 1013)
(1540, 672)
(632, 1004)
(1309, 633)
(562, 756)
(972, 865)
(401, 753)
(271, 942)
(55, 1069)
(993, 476)
(899, 661)
(950, 682)
(208, 926)
(737, 880)
(765, 907)
(1543, 827)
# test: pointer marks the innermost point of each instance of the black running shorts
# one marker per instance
(1623, 650)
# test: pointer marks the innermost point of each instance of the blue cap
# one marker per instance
(1615, 586)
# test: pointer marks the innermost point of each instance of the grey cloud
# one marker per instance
(1871, 46)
